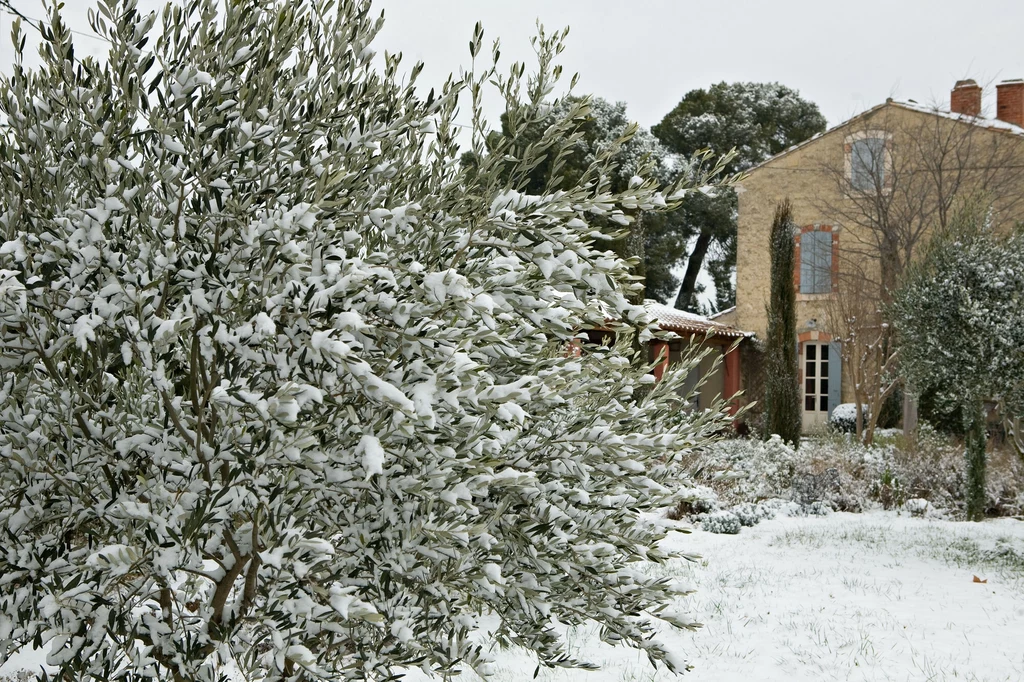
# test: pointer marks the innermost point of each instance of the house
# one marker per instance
(866, 195)
(721, 339)
(695, 333)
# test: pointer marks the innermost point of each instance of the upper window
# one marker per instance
(867, 160)
(816, 262)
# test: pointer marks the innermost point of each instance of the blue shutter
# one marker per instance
(807, 263)
(867, 162)
(824, 263)
(835, 376)
(816, 262)
(816, 267)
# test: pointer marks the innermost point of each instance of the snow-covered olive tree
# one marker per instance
(286, 390)
(960, 318)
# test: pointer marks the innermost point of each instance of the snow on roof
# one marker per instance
(993, 123)
(720, 313)
(990, 123)
(674, 320)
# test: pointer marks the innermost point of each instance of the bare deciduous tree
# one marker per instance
(904, 172)
(854, 316)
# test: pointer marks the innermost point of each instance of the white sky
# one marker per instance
(846, 57)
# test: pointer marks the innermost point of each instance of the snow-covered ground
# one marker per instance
(873, 596)
(846, 597)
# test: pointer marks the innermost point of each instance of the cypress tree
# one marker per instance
(781, 395)
(974, 449)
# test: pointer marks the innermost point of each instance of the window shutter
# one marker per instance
(867, 162)
(824, 262)
(816, 262)
(816, 255)
(835, 376)
(807, 263)
(877, 146)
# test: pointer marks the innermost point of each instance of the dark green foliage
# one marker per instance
(974, 445)
(781, 389)
(758, 120)
(711, 219)
(945, 419)
(891, 414)
(665, 245)
(960, 318)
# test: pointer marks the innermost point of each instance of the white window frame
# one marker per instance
(821, 360)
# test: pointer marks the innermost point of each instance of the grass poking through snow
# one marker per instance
(862, 597)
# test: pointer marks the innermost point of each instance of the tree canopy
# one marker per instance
(285, 387)
(757, 120)
(960, 316)
(607, 128)
(960, 320)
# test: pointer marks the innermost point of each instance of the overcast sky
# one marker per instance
(846, 57)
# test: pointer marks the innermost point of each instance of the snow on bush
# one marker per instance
(749, 470)
(917, 506)
(285, 388)
(747, 514)
(844, 417)
(724, 522)
(839, 472)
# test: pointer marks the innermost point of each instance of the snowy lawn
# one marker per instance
(872, 596)
(846, 597)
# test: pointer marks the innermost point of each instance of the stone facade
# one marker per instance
(816, 176)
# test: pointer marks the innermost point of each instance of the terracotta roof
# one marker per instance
(673, 320)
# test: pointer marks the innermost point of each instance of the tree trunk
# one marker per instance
(685, 299)
(909, 413)
(889, 262)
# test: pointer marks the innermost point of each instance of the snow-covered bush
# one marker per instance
(846, 475)
(693, 501)
(747, 514)
(844, 417)
(723, 522)
(285, 387)
(751, 514)
(817, 487)
(917, 506)
(742, 470)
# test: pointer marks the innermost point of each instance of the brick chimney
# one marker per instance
(1010, 102)
(965, 98)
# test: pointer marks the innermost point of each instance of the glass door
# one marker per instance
(814, 363)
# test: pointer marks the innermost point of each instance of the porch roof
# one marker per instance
(687, 324)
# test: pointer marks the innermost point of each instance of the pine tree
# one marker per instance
(284, 387)
(757, 120)
(781, 390)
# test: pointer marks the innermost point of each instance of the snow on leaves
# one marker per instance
(285, 388)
